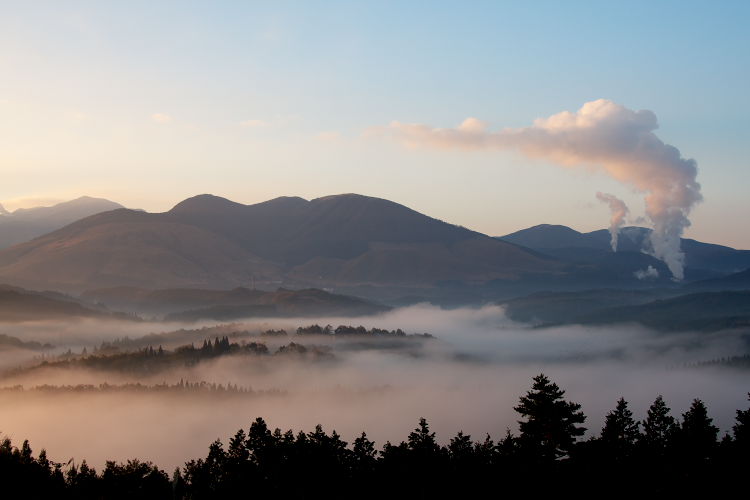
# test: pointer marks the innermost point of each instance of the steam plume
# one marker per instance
(619, 211)
(649, 273)
(602, 135)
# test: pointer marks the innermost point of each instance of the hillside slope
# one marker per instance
(208, 241)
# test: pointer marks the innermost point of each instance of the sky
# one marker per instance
(148, 103)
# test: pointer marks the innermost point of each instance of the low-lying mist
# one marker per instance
(467, 378)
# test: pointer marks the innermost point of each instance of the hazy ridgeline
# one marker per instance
(467, 378)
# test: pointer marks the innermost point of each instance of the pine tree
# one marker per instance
(363, 453)
(697, 434)
(549, 430)
(741, 429)
(620, 432)
(238, 451)
(461, 447)
(421, 440)
(658, 428)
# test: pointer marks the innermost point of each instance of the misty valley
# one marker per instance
(374, 249)
(172, 356)
(156, 392)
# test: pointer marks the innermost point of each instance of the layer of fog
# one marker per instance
(468, 378)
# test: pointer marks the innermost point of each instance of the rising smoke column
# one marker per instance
(601, 135)
(619, 210)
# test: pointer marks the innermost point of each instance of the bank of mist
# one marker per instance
(468, 377)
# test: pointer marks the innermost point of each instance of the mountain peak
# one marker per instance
(204, 203)
(84, 201)
(351, 198)
(543, 236)
(359, 202)
(552, 227)
(3, 211)
(345, 196)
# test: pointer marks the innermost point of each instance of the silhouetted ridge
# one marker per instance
(205, 203)
(209, 241)
(27, 223)
(542, 236)
(702, 260)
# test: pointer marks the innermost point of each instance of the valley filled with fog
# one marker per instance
(467, 374)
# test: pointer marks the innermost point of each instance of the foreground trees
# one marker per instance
(549, 429)
(659, 456)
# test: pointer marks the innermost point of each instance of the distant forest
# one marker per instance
(662, 456)
(186, 388)
(117, 356)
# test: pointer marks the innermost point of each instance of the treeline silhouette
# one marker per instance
(235, 332)
(348, 330)
(182, 387)
(741, 362)
(659, 457)
(153, 360)
(149, 359)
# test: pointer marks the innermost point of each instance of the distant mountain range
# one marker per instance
(207, 241)
(353, 244)
(25, 224)
(702, 260)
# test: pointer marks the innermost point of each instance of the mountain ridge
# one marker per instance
(209, 241)
(24, 224)
(702, 260)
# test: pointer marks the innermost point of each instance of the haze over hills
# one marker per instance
(194, 304)
(661, 309)
(19, 305)
(736, 281)
(702, 260)
(24, 224)
(207, 241)
(127, 303)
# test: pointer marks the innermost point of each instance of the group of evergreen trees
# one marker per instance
(351, 330)
(661, 456)
(149, 360)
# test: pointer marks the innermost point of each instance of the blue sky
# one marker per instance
(147, 103)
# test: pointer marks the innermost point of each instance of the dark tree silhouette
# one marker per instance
(550, 427)
(741, 429)
(620, 433)
(697, 435)
(658, 428)
(545, 460)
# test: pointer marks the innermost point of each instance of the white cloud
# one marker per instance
(603, 135)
